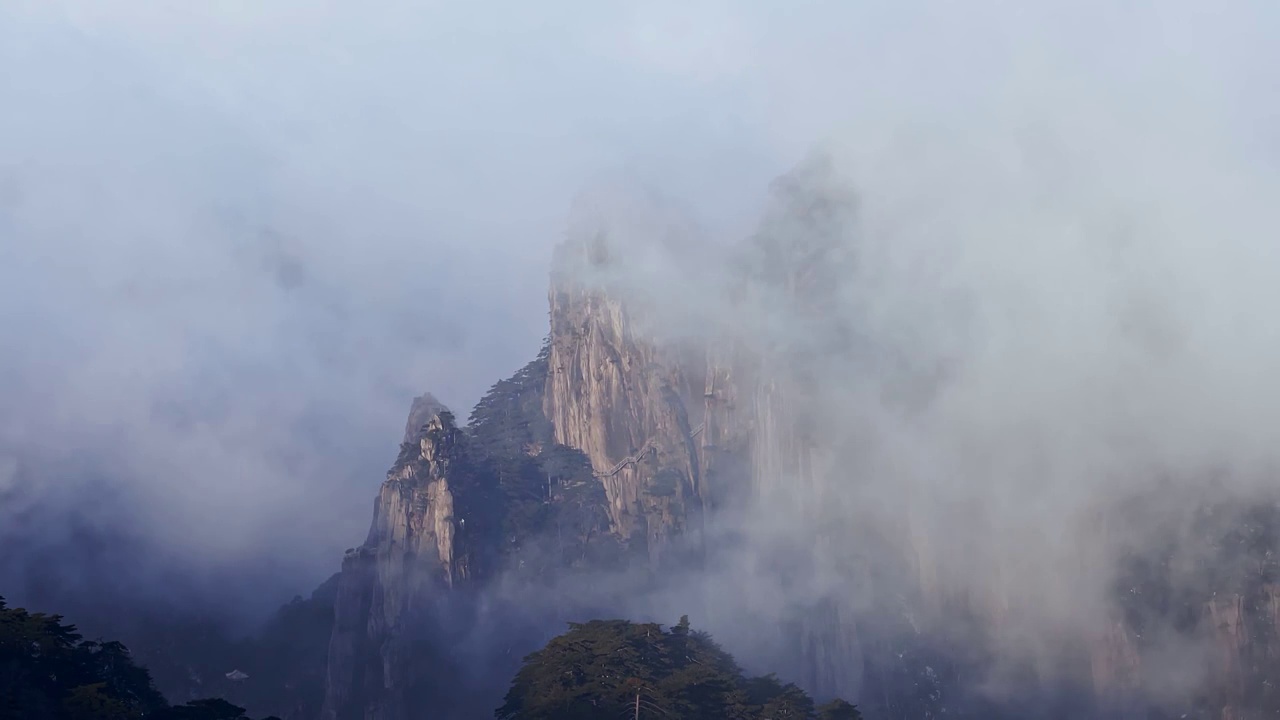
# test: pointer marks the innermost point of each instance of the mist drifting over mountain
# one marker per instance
(993, 282)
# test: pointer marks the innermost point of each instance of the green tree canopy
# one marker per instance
(838, 710)
(620, 669)
(49, 672)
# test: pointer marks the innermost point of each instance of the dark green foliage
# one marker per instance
(49, 672)
(510, 414)
(838, 710)
(619, 669)
(548, 496)
(509, 432)
(788, 702)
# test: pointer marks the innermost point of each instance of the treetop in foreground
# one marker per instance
(621, 669)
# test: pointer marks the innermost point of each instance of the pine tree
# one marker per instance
(48, 671)
(838, 710)
(618, 669)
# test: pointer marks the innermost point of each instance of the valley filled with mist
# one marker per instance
(729, 360)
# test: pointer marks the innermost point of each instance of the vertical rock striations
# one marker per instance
(628, 408)
(395, 587)
(630, 402)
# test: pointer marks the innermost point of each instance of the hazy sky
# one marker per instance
(237, 237)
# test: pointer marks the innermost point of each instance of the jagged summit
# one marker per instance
(424, 407)
(419, 548)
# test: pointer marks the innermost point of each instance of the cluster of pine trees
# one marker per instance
(48, 671)
(598, 669)
(551, 507)
(539, 508)
(620, 669)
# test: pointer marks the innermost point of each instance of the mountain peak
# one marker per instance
(424, 408)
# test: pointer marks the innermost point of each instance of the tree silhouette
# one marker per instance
(49, 672)
(620, 669)
(838, 710)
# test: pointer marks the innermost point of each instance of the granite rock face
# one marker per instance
(398, 583)
(630, 407)
(687, 408)
(615, 390)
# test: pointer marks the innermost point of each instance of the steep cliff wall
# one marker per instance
(724, 444)
(395, 587)
(616, 398)
(462, 511)
(631, 402)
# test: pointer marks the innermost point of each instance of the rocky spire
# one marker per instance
(419, 549)
(424, 408)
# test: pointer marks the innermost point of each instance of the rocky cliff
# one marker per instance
(654, 410)
(394, 590)
(683, 408)
(461, 509)
(630, 405)
(628, 376)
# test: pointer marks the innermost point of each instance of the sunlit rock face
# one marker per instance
(631, 403)
(400, 581)
(631, 409)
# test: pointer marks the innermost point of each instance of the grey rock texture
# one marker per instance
(399, 581)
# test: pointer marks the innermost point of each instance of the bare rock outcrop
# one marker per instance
(630, 400)
(396, 587)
